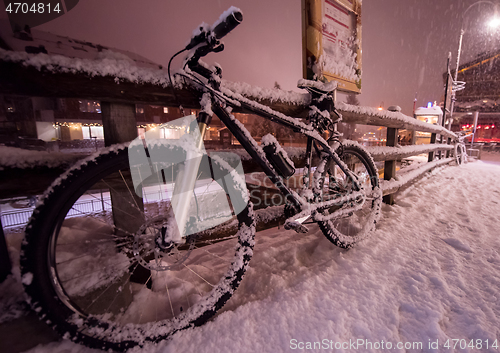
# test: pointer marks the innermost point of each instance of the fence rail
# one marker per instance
(18, 218)
(21, 74)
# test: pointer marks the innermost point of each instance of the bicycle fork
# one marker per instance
(184, 186)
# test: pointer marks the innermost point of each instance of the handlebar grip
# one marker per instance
(227, 24)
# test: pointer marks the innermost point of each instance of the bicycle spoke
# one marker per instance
(208, 252)
(144, 286)
(115, 227)
(123, 197)
(204, 280)
(169, 300)
(119, 291)
(99, 270)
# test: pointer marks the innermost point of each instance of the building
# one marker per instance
(481, 94)
(75, 123)
(69, 123)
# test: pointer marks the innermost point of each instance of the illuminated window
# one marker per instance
(87, 106)
(93, 132)
(139, 110)
(165, 110)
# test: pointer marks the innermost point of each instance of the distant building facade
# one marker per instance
(482, 95)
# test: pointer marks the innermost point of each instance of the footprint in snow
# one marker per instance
(457, 244)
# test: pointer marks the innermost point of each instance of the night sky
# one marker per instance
(405, 42)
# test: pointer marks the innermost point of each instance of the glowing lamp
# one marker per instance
(494, 22)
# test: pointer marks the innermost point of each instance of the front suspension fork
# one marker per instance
(184, 185)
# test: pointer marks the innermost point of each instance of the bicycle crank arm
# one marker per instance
(297, 222)
(343, 212)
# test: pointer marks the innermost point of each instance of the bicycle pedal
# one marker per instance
(296, 226)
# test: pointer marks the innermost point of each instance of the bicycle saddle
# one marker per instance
(317, 86)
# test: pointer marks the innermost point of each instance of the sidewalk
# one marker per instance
(431, 271)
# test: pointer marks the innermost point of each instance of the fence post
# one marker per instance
(440, 153)
(119, 124)
(390, 166)
(448, 151)
(5, 266)
(431, 154)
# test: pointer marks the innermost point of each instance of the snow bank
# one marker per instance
(429, 272)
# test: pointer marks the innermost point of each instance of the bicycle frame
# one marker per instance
(255, 151)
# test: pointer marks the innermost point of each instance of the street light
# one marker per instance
(493, 23)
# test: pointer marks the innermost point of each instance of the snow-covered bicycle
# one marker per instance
(460, 150)
(144, 240)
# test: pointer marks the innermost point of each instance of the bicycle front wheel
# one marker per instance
(460, 153)
(350, 227)
(98, 269)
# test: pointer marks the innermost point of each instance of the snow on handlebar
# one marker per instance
(225, 24)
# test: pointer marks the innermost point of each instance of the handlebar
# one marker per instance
(225, 24)
(228, 23)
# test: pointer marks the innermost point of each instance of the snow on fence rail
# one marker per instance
(111, 79)
(114, 79)
(383, 153)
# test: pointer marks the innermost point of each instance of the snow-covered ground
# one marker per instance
(430, 273)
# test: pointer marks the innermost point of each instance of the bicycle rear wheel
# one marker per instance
(96, 265)
(349, 228)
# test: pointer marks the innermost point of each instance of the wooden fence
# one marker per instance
(119, 94)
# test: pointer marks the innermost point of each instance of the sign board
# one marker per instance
(331, 42)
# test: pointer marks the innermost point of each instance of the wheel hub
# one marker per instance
(153, 249)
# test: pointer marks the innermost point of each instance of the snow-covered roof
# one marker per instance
(486, 104)
(113, 64)
(44, 42)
